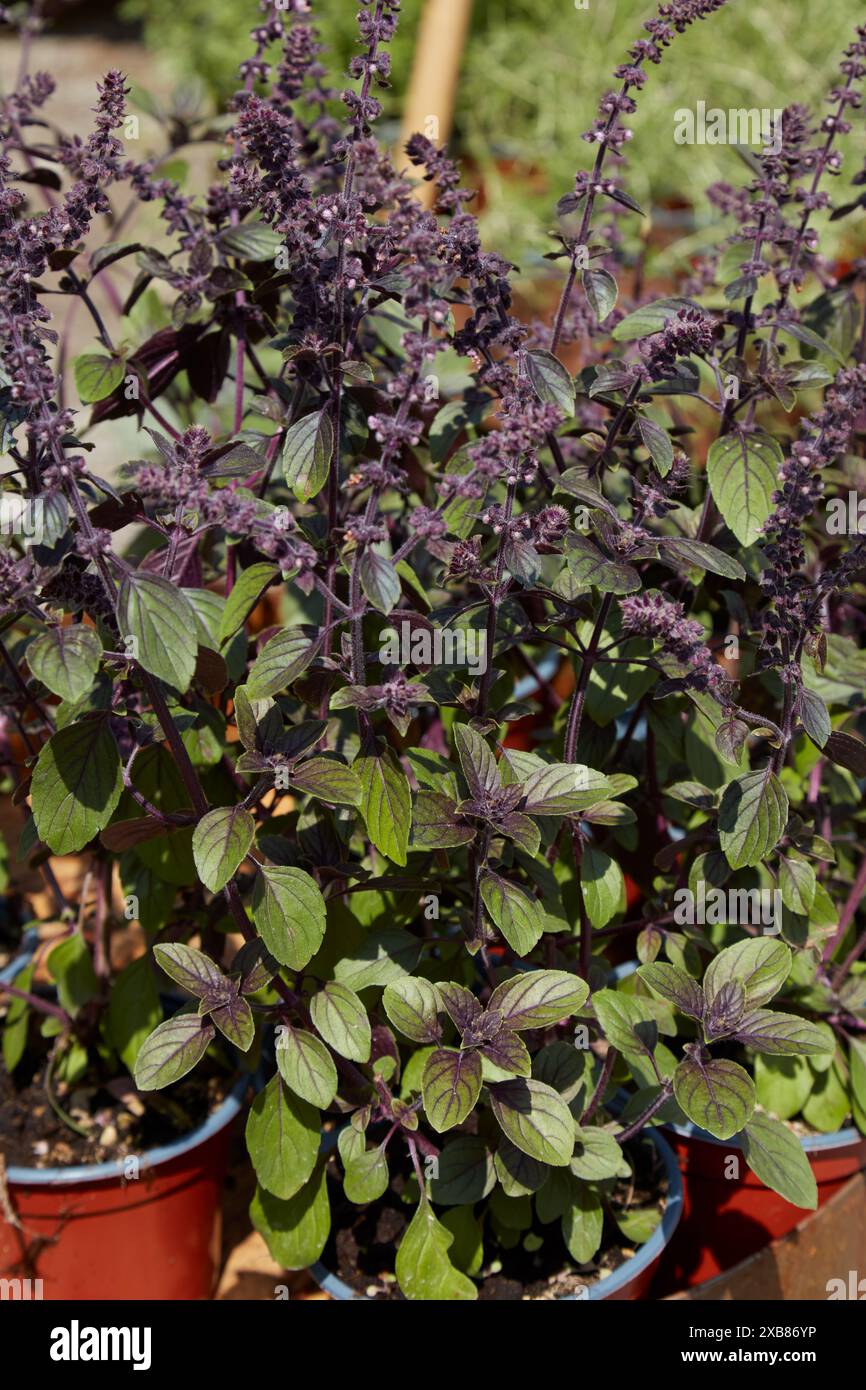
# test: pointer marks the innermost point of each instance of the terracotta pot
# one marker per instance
(631, 1281)
(98, 1232)
(726, 1218)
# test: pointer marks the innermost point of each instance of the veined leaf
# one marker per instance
(158, 618)
(742, 471)
(76, 785)
(220, 842)
(66, 659)
(289, 913)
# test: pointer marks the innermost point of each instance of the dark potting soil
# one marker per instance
(362, 1246)
(116, 1119)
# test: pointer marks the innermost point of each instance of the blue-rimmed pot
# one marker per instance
(728, 1213)
(146, 1226)
(630, 1281)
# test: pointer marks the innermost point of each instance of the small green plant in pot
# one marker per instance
(310, 806)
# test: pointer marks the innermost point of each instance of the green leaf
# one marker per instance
(281, 660)
(71, 966)
(308, 448)
(742, 471)
(251, 241)
(538, 998)
(450, 1086)
(191, 969)
(767, 1030)
(246, 592)
(476, 759)
(589, 568)
(650, 318)
(674, 985)
(776, 1156)
(597, 1155)
(762, 966)
(715, 1093)
(517, 914)
(550, 380)
(435, 823)
(601, 291)
(466, 1172)
(289, 913)
(16, 1022)
(366, 1174)
(603, 886)
(328, 780)
(412, 1005)
(385, 955)
(702, 556)
(160, 620)
(658, 444)
(220, 842)
(536, 1120)
(341, 1018)
(423, 1269)
(96, 376)
(519, 1174)
(282, 1135)
(467, 1252)
(76, 785)
(782, 1084)
(561, 789)
(172, 1050)
(752, 815)
(386, 802)
(797, 884)
(66, 659)
(582, 1223)
(628, 1022)
(295, 1230)
(379, 580)
(306, 1066)
(814, 717)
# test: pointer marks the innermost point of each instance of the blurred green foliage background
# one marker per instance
(532, 75)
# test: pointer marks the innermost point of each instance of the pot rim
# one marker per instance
(812, 1143)
(603, 1288)
(152, 1158)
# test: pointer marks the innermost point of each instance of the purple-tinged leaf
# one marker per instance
(412, 1005)
(235, 1021)
(436, 824)
(477, 761)
(674, 985)
(538, 998)
(450, 1086)
(191, 969)
(172, 1050)
(715, 1093)
(462, 1006)
(724, 1010)
(535, 1119)
(765, 1030)
(507, 1051)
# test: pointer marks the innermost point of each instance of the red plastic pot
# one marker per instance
(90, 1232)
(631, 1281)
(726, 1219)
